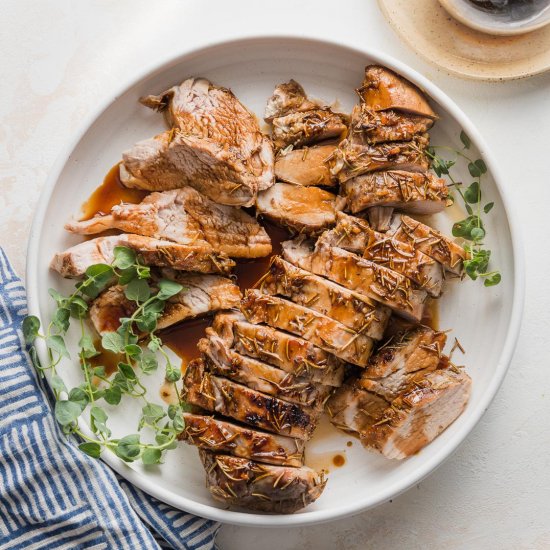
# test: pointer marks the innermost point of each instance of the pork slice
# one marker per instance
(213, 434)
(174, 159)
(406, 352)
(257, 375)
(430, 241)
(288, 97)
(218, 394)
(200, 109)
(187, 217)
(335, 301)
(420, 414)
(281, 349)
(305, 128)
(359, 274)
(332, 336)
(368, 126)
(202, 294)
(384, 89)
(355, 235)
(354, 409)
(74, 261)
(352, 160)
(307, 166)
(412, 192)
(302, 209)
(254, 486)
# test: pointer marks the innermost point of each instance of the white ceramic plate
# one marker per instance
(485, 320)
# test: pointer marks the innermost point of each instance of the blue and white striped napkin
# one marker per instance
(51, 494)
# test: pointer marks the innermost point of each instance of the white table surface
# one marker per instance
(60, 57)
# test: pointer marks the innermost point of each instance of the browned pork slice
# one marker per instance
(419, 414)
(288, 97)
(256, 409)
(257, 375)
(248, 484)
(74, 261)
(363, 276)
(215, 146)
(330, 335)
(351, 160)
(353, 409)
(305, 128)
(201, 294)
(281, 349)
(355, 235)
(402, 361)
(413, 192)
(307, 166)
(187, 217)
(370, 126)
(303, 209)
(335, 301)
(384, 89)
(221, 436)
(430, 241)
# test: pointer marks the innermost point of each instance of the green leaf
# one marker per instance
(465, 140)
(178, 423)
(99, 371)
(147, 322)
(59, 298)
(80, 397)
(167, 289)
(124, 257)
(133, 350)
(78, 307)
(57, 344)
(163, 438)
(492, 279)
(152, 413)
(474, 170)
(66, 412)
(126, 371)
(154, 306)
(127, 275)
(468, 208)
(86, 344)
(155, 343)
(172, 411)
(172, 374)
(143, 272)
(91, 449)
(477, 234)
(97, 278)
(473, 193)
(61, 318)
(137, 290)
(481, 166)
(98, 421)
(113, 395)
(148, 362)
(31, 326)
(487, 208)
(151, 456)
(57, 383)
(128, 448)
(112, 341)
(464, 227)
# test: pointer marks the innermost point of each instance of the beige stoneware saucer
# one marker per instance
(427, 28)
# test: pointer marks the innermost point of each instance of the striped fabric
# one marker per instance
(51, 494)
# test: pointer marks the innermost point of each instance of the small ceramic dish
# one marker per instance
(503, 23)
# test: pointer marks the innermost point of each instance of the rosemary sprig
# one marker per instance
(470, 228)
(136, 356)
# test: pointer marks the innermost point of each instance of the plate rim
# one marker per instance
(502, 363)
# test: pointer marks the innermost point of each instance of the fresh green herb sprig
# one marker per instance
(149, 302)
(471, 228)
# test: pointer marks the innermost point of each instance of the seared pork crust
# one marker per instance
(251, 407)
(245, 483)
(221, 436)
